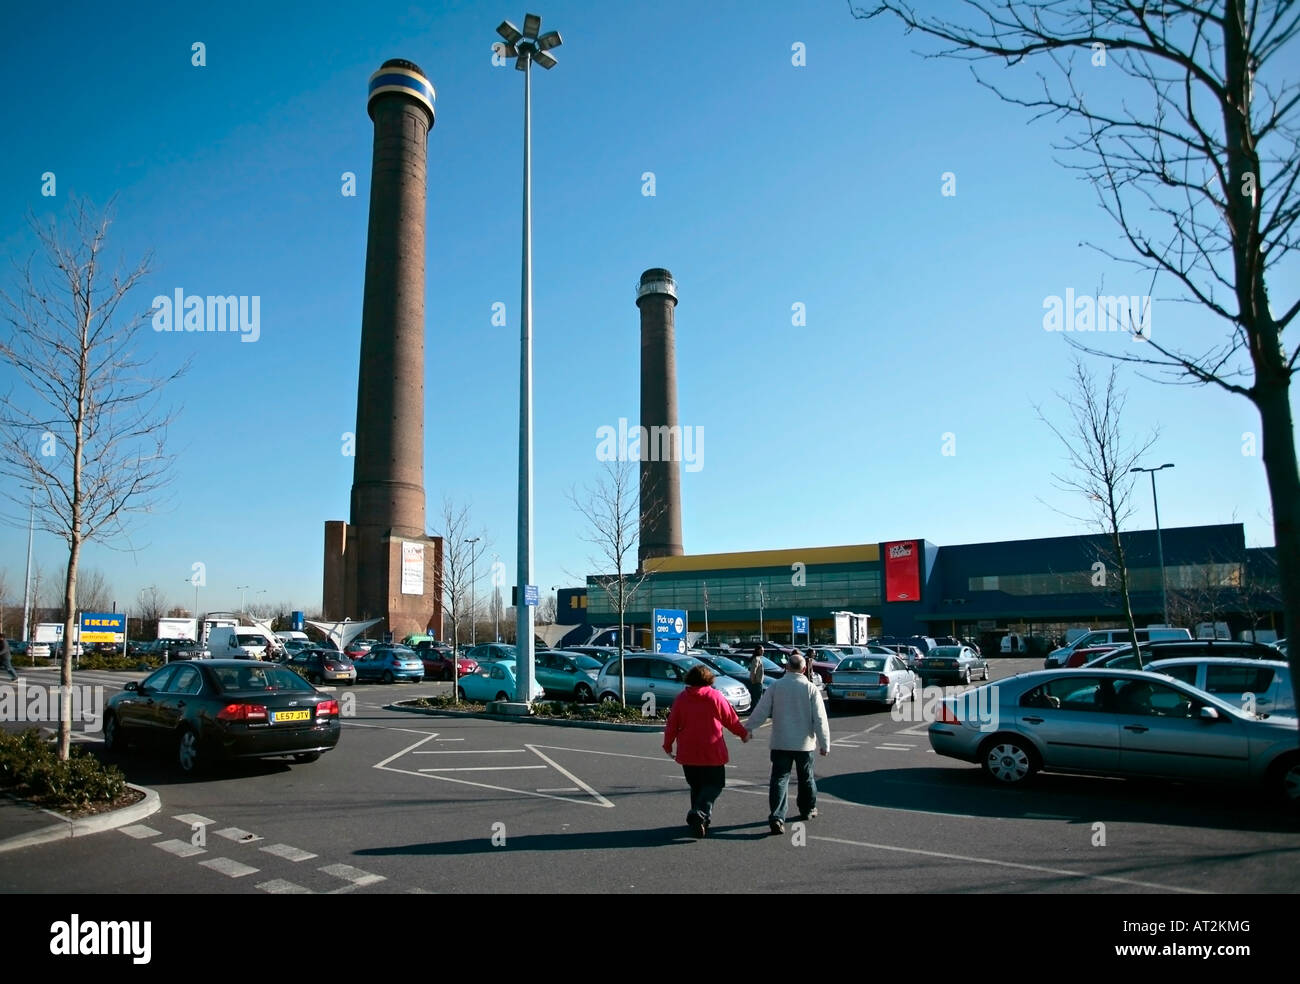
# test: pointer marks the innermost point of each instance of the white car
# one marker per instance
(1268, 681)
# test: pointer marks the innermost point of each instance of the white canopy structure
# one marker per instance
(342, 633)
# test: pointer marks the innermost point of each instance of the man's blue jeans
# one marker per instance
(777, 789)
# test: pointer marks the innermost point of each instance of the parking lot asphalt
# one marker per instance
(411, 803)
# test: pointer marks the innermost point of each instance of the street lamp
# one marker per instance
(27, 583)
(526, 47)
(194, 581)
(1160, 546)
(243, 593)
(473, 627)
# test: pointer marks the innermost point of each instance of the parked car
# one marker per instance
(388, 663)
(182, 649)
(1094, 643)
(438, 665)
(952, 663)
(491, 652)
(566, 674)
(1268, 681)
(1116, 723)
(872, 679)
(324, 666)
(910, 654)
(664, 677)
(726, 666)
(493, 681)
(1123, 658)
(223, 709)
(1280, 646)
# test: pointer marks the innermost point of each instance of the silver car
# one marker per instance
(1115, 723)
(872, 679)
(1266, 681)
(664, 677)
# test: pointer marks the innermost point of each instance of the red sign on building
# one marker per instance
(903, 571)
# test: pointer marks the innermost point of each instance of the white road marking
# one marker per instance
(139, 831)
(190, 819)
(182, 849)
(924, 731)
(278, 886)
(562, 769)
(350, 874)
(589, 751)
(1013, 864)
(451, 739)
(288, 853)
(229, 867)
(485, 768)
(429, 736)
(235, 834)
(894, 748)
(469, 751)
(561, 789)
(384, 727)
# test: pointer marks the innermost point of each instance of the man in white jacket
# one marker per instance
(799, 726)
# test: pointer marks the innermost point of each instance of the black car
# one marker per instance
(1123, 658)
(223, 709)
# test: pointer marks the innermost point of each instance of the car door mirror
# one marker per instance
(132, 686)
(1209, 714)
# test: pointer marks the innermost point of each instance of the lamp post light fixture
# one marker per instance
(473, 625)
(1160, 545)
(525, 47)
(193, 581)
(243, 594)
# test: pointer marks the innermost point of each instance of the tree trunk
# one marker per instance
(65, 670)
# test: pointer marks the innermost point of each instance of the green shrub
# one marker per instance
(30, 767)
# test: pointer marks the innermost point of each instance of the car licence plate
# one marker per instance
(278, 716)
(856, 693)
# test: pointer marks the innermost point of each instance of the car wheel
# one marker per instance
(114, 739)
(502, 695)
(582, 693)
(388, 676)
(609, 698)
(965, 677)
(460, 692)
(986, 672)
(187, 752)
(305, 757)
(1286, 780)
(1008, 760)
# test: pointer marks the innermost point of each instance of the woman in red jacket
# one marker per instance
(695, 723)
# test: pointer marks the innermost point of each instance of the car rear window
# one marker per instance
(860, 663)
(947, 652)
(258, 679)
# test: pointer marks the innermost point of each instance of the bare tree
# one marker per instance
(1100, 460)
(150, 605)
(93, 591)
(85, 429)
(1210, 166)
(610, 508)
(461, 554)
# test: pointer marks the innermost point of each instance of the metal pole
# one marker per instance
(1160, 549)
(473, 627)
(27, 584)
(524, 611)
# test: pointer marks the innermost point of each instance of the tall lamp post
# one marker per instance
(27, 582)
(243, 596)
(1160, 545)
(473, 625)
(525, 47)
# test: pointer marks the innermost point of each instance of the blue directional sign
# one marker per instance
(670, 630)
(530, 595)
(800, 624)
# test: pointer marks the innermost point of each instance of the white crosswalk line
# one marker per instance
(190, 819)
(235, 834)
(227, 866)
(278, 886)
(288, 853)
(182, 849)
(139, 831)
(350, 874)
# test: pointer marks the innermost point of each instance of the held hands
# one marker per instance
(745, 738)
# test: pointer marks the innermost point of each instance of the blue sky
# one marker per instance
(775, 185)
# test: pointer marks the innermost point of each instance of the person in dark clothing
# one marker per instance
(6, 658)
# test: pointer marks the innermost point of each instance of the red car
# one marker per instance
(437, 664)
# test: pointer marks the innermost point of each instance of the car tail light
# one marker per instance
(882, 680)
(326, 708)
(242, 712)
(947, 715)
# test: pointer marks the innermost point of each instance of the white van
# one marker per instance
(292, 636)
(1212, 630)
(1013, 644)
(238, 642)
(1101, 639)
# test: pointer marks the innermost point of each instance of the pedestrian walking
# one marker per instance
(799, 727)
(756, 676)
(695, 724)
(6, 658)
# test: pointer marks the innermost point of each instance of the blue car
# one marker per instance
(388, 664)
(493, 681)
(565, 674)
